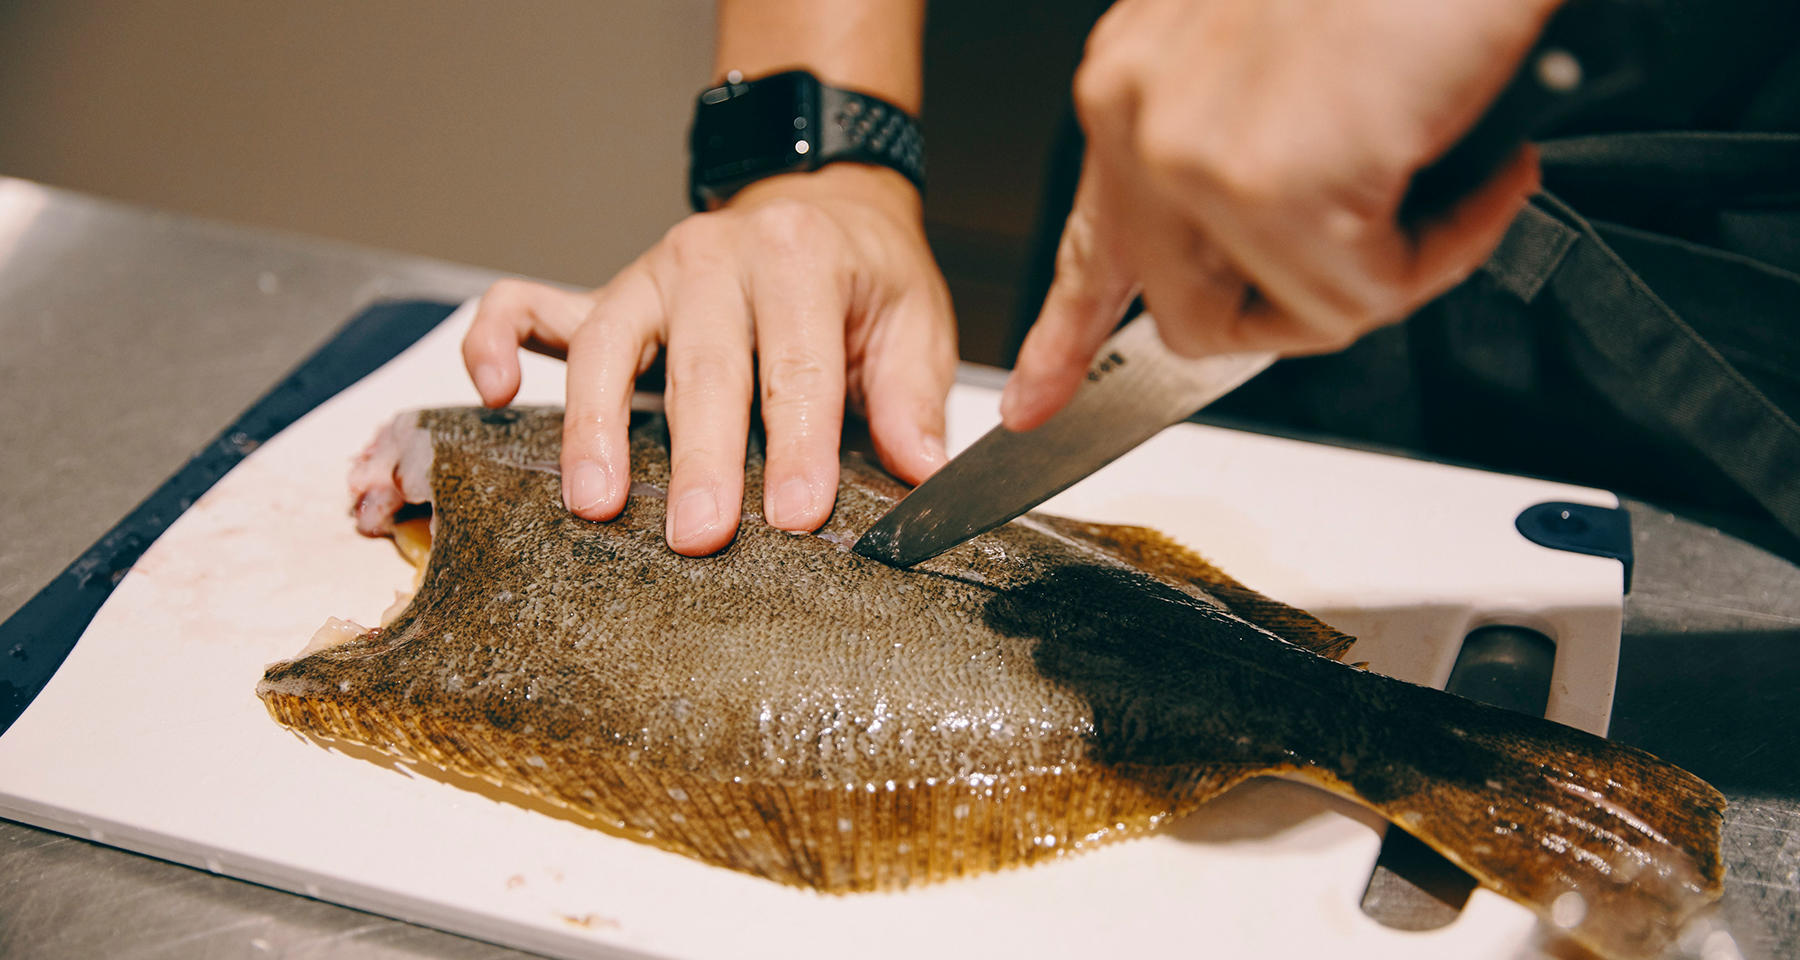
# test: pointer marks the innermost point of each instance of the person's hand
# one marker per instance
(1246, 160)
(805, 289)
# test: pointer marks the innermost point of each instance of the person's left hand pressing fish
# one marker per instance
(806, 291)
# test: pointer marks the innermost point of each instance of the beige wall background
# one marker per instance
(542, 137)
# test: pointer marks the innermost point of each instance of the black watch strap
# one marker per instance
(745, 130)
(865, 129)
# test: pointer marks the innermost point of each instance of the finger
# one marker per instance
(513, 313)
(1193, 292)
(906, 376)
(1453, 246)
(1086, 298)
(1262, 324)
(605, 355)
(799, 320)
(1309, 301)
(707, 399)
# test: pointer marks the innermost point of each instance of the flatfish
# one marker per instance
(792, 710)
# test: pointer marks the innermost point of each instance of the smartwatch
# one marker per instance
(745, 130)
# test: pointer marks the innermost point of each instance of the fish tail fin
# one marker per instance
(1605, 842)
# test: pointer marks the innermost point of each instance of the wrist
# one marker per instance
(879, 187)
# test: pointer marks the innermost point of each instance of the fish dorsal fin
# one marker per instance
(1158, 555)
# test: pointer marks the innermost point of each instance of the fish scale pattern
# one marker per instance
(792, 710)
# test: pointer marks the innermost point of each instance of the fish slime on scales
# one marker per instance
(792, 710)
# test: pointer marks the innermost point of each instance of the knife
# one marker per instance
(1590, 50)
(1135, 388)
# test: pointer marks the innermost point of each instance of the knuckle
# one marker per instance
(574, 432)
(1400, 153)
(1169, 149)
(698, 462)
(1392, 288)
(923, 410)
(500, 304)
(507, 290)
(593, 343)
(1394, 304)
(1230, 337)
(1335, 307)
(476, 347)
(1252, 175)
(1329, 340)
(693, 242)
(1344, 328)
(1183, 313)
(795, 379)
(589, 337)
(1074, 253)
(944, 358)
(581, 429)
(1099, 89)
(1106, 49)
(704, 372)
(1425, 287)
(787, 227)
(1197, 343)
(1384, 289)
(1055, 348)
(1087, 266)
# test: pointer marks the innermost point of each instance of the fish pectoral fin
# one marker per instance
(1158, 555)
(412, 537)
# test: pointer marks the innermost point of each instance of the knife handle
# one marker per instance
(1590, 50)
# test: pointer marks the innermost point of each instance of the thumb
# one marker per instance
(1088, 295)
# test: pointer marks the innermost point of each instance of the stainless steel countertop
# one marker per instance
(128, 338)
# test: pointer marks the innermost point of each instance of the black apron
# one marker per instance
(1639, 327)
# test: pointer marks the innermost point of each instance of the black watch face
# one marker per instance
(749, 130)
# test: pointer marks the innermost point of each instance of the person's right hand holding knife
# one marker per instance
(1246, 163)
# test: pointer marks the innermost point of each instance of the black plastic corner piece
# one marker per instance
(38, 637)
(1580, 528)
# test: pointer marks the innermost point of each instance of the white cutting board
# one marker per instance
(150, 736)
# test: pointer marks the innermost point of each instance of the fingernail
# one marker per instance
(790, 504)
(934, 447)
(488, 380)
(1012, 400)
(585, 485)
(1008, 401)
(697, 510)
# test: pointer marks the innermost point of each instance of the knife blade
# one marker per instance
(1136, 386)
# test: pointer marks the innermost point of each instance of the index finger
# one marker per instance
(512, 314)
(606, 354)
(1089, 293)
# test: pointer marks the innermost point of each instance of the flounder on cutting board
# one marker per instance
(792, 710)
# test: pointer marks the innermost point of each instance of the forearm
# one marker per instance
(872, 46)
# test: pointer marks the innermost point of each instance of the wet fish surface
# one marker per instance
(795, 711)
